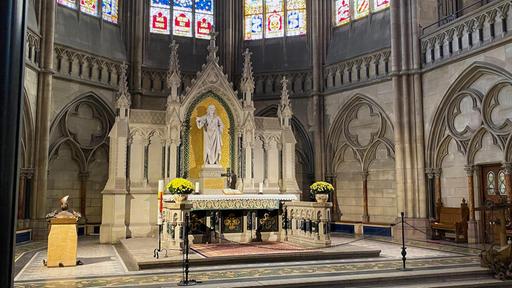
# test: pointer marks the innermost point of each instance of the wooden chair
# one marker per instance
(454, 220)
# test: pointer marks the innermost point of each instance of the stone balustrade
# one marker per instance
(307, 223)
(480, 27)
(361, 69)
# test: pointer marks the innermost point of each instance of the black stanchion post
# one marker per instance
(186, 263)
(404, 249)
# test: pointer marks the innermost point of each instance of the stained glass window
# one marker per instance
(361, 8)
(491, 188)
(204, 18)
(89, 7)
(109, 9)
(253, 19)
(296, 17)
(160, 13)
(342, 12)
(380, 4)
(68, 3)
(501, 183)
(270, 18)
(274, 20)
(186, 14)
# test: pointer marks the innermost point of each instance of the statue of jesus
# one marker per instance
(212, 130)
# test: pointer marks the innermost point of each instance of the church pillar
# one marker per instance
(317, 100)
(366, 216)
(43, 117)
(136, 44)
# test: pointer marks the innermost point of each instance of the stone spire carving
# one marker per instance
(174, 73)
(247, 82)
(285, 108)
(212, 48)
(123, 98)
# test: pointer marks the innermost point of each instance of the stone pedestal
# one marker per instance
(174, 220)
(211, 179)
(62, 242)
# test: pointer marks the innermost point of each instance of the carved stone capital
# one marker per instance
(470, 170)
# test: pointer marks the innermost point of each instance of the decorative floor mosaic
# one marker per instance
(104, 267)
(252, 273)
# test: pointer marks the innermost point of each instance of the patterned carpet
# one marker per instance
(214, 250)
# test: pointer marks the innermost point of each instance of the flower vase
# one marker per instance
(322, 198)
(178, 198)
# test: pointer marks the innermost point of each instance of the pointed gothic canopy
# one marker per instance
(212, 48)
(247, 82)
(174, 73)
(123, 98)
(285, 108)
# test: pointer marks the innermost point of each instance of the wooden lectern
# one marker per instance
(63, 237)
(62, 242)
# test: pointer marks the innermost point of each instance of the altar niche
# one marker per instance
(193, 150)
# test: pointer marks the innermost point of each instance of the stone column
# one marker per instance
(472, 227)
(43, 117)
(437, 187)
(471, 191)
(507, 168)
(317, 100)
(366, 216)
(21, 199)
(265, 147)
(173, 158)
(84, 177)
(248, 173)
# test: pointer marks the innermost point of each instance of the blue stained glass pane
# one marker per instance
(204, 6)
(161, 3)
(187, 4)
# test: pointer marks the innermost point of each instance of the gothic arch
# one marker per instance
(339, 133)
(469, 139)
(62, 131)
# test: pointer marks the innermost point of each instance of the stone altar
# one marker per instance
(149, 145)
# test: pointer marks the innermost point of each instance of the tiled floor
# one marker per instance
(98, 260)
(104, 267)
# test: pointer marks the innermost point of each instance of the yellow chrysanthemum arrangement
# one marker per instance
(321, 187)
(180, 186)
